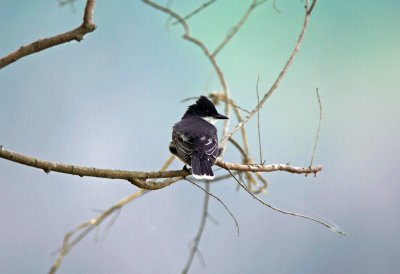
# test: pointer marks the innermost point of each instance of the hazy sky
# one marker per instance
(111, 100)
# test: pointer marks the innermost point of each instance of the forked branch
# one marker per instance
(42, 44)
(281, 75)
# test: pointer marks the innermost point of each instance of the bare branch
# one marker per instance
(319, 128)
(275, 7)
(258, 122)
(221, 202)
(236, 28)
(332, 228)
(95, 222)
(196, 11)
(135, 177)
(86, 227)
(312, 6)
(219, 96)
(138, 178)
(42, 44)
(244, 150)
(197, 239)
(205, 50)
(240, 148)
(269, 168)
(278, 79)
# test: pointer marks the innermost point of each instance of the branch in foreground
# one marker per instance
(331, 227)
(42, 44)
(138, 178)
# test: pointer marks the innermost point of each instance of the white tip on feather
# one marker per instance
(203, 177)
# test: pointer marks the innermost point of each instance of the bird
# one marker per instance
(195, 140)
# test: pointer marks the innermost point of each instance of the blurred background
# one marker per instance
(111, 100)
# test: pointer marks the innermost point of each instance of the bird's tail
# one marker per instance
(201, 169)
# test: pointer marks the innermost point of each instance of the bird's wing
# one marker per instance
(185, 146)
(210, 146)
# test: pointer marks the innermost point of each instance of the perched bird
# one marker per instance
(194, 138)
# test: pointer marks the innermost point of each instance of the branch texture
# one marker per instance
(42, 44)
(138, 178)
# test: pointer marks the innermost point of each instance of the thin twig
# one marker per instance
(319, 128)
(260, 2)
(197, 239)
(216, 97)
(258, 123)
(196, 11)
(278, 79)
(71, 3)
(249, 175)
(312, 6)
(212, 219)
(221, 178)
(42, 44)
(86, 227)
(268, 168)
(275, 7)
(334, 229)
(236, 28)
(244, 150)
(224, 42)
(219, 200)
(205, 50)
(240, 148)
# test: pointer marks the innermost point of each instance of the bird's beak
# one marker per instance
(220, 116)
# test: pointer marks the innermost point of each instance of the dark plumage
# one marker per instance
(195, 141)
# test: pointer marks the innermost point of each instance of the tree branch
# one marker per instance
(280, 76)
(138, 178)
(195, 247)
(42, 44)
(85, 228)
(196, 11)
(269, 168)
(236, 28)
(318, 130)
(333, 228)
(187, 36)
(135, 177)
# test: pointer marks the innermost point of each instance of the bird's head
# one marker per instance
(205, 109)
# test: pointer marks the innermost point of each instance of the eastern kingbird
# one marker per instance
(194, 138)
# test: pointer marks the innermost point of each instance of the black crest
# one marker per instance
(202, 108)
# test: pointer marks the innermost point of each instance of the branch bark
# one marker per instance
(42, 44)
(138, 178)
